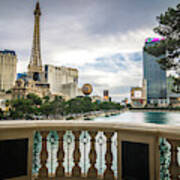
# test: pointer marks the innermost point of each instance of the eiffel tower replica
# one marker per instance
(35, 68)
(35, 81)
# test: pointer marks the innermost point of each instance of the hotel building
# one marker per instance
(8, 62)
(154, 75)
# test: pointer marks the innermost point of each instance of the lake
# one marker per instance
(143, 117)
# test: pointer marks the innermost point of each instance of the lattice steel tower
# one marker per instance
(35, 65)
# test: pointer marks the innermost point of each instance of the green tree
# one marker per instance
(36, 100)
(74, 106)
(20, 108)
(46, 98)
(169, 28)
(16, 115)
(107, 106)
(58, 106)
(96, 106)
(84, 104)
(79, 105)
(46, 109)
(87, 104)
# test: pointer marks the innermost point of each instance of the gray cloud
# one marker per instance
(88, 34)
(117, 82)
(98, 18)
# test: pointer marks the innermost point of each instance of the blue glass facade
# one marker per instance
(154, 75)
(21, 76)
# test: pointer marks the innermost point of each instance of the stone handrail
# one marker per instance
(131, 132)
(70, 124)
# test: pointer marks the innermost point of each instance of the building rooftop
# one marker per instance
(62, 67)
(153, 40)
(6, 51)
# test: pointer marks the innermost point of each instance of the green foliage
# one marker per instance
(36, 100)
(46, 109)
(176, 85)
(20, 108)
(109, 106)
(69, 118)
(87, 119)
(177, 108)
(128, 105)
(25, 108)
(58, 106)
(96, 106)
(28, 117)
(79, 105)
(169, 28)
(34, 106)
(14, 114)
(84, 104)
(46, 98)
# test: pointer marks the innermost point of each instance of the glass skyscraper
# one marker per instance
(154, 75)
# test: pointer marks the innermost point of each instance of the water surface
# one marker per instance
(143, 117)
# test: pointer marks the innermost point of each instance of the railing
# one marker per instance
(97, 150)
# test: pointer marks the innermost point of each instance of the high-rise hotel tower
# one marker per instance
(154, 75)
(8, 63)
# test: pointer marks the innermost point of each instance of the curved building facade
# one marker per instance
(154, 75)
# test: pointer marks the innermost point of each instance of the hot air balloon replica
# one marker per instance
(87, 89)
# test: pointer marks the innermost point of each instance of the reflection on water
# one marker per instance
(156, 117)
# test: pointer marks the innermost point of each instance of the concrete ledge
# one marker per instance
(172, 130)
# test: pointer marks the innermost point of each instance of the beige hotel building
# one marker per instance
(8, 62)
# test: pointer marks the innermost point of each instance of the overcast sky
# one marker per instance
(102, 38)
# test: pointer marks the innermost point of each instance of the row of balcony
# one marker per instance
(88, 150)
